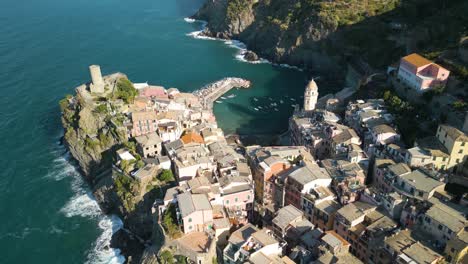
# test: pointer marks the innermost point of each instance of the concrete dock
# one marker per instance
(210, 93)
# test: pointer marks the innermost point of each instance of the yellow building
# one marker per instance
(457, 248)
(445, 151)
(455, 142)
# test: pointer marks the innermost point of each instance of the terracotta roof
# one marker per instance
(192, 137)
(416, 60)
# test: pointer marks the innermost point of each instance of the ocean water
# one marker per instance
(48, 214)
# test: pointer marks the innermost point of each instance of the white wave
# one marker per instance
(190, 20)
(240, 56)
(83, 204)
(102, 252)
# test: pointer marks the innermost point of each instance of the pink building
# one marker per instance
(420, 73)
(153, 91)
(237, 196)
(196, 212)
(143, 123)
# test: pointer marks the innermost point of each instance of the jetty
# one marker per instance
(211, 92)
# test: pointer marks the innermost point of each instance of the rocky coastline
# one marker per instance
(93, 132)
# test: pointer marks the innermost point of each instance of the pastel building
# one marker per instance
(144, 123)
(446, 151)
(302, 180)
(420, 73)
(195, 211)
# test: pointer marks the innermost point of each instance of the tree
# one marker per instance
(125, 91)
(166, 257)
(166, 176)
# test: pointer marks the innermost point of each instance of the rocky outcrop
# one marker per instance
(251, 56)
(92, 135)
(322, 35)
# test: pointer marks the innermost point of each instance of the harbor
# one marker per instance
(210, 93)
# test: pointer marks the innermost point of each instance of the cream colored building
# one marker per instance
(445, 151)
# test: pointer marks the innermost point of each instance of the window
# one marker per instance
(235, 200)
(463, 144)
(421, 194)
(248, 197)
(190, 227)
(460, 151)
(227, 201)
(190, 220)
(452, 250)
(440, 227)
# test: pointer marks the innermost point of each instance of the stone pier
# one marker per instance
(213, 91)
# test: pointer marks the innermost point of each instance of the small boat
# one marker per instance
(222, 97)
(260, 107)
(292, 99)
(273, 104)
(231, 96)
(271, 99)
(219, 102)
(281, 101)
(255, 99)
(255, 108)
(276, 109)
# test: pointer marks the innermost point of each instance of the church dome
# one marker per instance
(312, 85)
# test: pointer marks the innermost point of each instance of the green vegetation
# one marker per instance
(125, 91)
(437, 90)
(170, 222)
(126, 188)
(166, 257)
(64, 104)
(236, 7)
(104, 139)
(405, 116)
(181, 259)
(91, 144)
(460, 106)
(166, 176)
(101, 109)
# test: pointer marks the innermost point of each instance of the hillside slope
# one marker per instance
(320, 34)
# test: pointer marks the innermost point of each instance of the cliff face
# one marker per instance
(319, 34)
(93, 132)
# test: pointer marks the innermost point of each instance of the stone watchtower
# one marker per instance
(310, 96)
(97, 85)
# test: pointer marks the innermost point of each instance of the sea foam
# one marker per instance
(240, 55)
(83, 204)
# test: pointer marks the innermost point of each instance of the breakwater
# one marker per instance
(211, 92)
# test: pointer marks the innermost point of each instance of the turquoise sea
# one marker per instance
(48, 214)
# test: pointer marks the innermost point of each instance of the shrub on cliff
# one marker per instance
(166, 176)
(166, 257)
(126, 188)
(125, 91)
(170, 222)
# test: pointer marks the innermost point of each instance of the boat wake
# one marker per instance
(240, 55)
(83, 204)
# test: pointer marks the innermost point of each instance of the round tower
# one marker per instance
(97, 85)
(310, 96)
